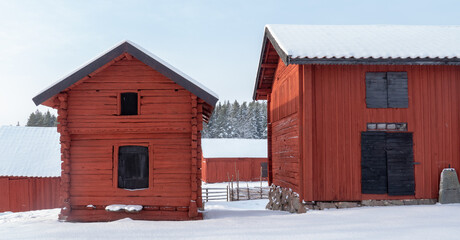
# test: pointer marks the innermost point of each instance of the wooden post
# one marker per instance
(237, 186)
(261, 171)
(231, 195)
(249, 194)
(206, 194)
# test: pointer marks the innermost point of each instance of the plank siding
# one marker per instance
(168, 123)
(285, 130)
(220, 169)
(28, 193)
(340, 115)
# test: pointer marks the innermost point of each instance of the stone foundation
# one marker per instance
(283, 199)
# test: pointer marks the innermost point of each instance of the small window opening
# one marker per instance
(128, 104)
(133, 167)
(401, 127)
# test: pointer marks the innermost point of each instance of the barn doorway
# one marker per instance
(387, 163)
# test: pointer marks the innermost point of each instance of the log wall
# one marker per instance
(169, 123)
(284, 134)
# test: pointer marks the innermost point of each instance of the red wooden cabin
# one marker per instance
(361, 112)
(29, 168)
(130, 134)
(224, 158)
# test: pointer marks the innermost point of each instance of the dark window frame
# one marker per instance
(115, 161)
(387, 89)
(120, 104)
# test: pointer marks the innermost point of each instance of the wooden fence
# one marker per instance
(19, 194)
(234, 193)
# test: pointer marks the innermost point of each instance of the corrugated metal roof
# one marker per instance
(30, 151)
(366, 41)
(233, 148)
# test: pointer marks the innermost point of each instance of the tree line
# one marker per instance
(246, 120)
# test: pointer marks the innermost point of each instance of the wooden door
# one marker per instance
(387, 160)
(400, 164)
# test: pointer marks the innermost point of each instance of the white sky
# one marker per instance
(216, 42)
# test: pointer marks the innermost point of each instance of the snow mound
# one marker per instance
(121, 207)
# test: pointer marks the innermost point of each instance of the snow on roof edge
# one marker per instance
(406, 42)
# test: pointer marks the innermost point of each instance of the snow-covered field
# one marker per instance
(249, 220)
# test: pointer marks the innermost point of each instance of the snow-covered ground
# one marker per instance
(249, 220)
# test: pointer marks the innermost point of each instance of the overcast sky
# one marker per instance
(216, 42)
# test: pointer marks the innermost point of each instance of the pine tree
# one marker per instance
(234, 120)
(38, 119)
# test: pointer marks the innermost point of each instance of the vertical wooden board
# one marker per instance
(5, 193)
(19, 197)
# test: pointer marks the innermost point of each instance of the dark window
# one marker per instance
(264, 167)
(387, 163)
(133, 167)
(128, 104)
(386, 90)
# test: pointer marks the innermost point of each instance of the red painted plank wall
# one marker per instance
(28, 193)
(169, 123)
(284, 121)
(218, 169)
(338, 115)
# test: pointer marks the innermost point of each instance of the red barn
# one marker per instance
(361, 112)
(130, 135)
(224, 158)
(30, 168)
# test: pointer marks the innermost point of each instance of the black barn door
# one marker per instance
(400, 164)
(387, 163)
(373, 163)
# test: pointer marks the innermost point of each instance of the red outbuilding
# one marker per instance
(232, 159)
(30, 168)
(361, 112)
(130, 135)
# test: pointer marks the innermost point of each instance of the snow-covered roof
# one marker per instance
(30, 151)
(139, 53)
(233, 147)
(366, 41)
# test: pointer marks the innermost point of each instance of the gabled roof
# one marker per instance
(139, 53)
(234, 148)
(30, 152)
(356, 44)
